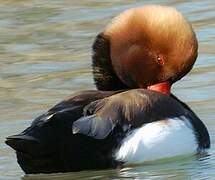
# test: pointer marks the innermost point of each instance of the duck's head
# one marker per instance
(145, 47)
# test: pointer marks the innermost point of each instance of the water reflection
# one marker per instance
(181, 168)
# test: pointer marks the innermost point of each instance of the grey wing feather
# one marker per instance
(93, 126)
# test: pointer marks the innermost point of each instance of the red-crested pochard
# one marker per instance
(132, 117)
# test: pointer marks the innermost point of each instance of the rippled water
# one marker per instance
(45, 56)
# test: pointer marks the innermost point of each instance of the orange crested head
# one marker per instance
(142, 47)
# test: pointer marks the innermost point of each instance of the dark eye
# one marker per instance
(160, 60)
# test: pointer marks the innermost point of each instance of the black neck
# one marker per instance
(104, 76)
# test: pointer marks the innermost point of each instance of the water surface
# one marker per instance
(45, 55)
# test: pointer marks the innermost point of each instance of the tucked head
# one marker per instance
(144, 46)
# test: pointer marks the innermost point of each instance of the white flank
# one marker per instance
(158, 140)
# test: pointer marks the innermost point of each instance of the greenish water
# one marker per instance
(45, 56)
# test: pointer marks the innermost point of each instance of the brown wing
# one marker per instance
(129, 109)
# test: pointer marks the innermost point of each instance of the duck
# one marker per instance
(132, 117)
